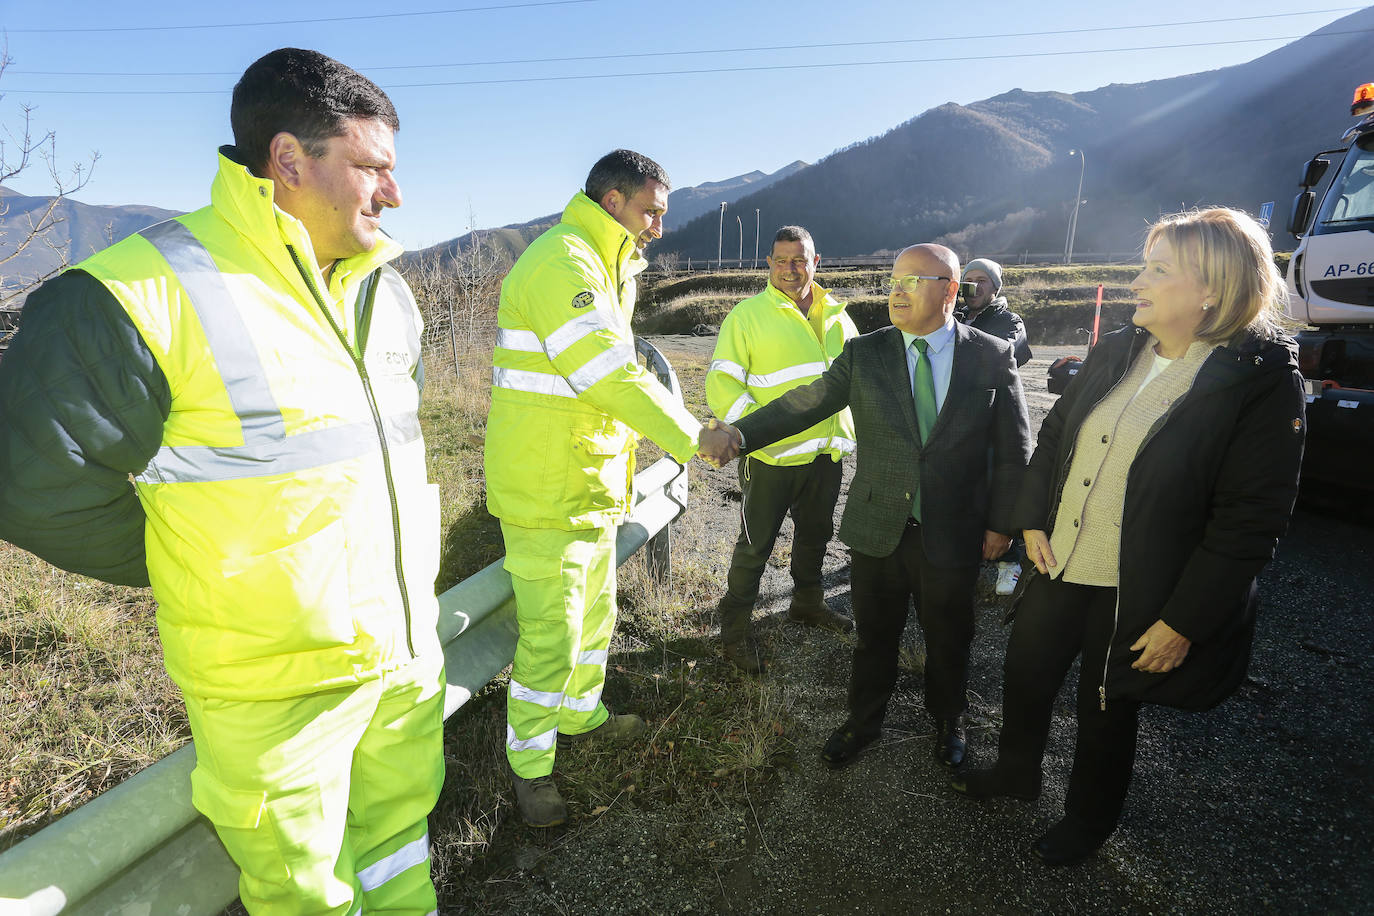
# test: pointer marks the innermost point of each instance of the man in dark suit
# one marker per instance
(930, 399)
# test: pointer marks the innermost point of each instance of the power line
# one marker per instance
(246, 25)
(712, 70)
(752, 50)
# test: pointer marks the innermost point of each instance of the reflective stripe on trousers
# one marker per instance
(564, 583)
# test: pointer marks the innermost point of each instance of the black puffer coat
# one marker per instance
(1207, 496)
(1000, 321)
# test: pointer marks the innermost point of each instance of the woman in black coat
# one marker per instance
(1160, 483)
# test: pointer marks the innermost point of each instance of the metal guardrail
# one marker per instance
(141, 849)
(884, 261)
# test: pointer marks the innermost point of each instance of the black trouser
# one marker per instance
(881, 588)
(1056, 622)
(809, 491)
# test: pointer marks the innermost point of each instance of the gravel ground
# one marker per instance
(1261, 805)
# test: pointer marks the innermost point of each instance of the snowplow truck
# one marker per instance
(1331, 294)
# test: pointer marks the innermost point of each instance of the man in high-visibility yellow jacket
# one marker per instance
(781, 339)
(568, 399)
(255, 367)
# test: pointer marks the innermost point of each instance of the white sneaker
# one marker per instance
(1008, 574)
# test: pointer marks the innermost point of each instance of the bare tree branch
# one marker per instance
(19, 150)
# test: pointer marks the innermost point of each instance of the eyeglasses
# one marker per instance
(908, 283)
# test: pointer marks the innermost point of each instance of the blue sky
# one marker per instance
(512, 134)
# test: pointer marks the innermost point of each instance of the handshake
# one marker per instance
(719, 443)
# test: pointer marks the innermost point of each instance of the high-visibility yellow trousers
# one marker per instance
(323, 800)
(564, 583)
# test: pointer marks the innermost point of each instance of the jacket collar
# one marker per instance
(611, 241)
(998, 304)
(1243, 357)
(246, 202)
(819, 294)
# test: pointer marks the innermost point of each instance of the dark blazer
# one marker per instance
(965, 493)
(1207, 496)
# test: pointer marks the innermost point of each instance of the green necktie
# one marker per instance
(923, 391)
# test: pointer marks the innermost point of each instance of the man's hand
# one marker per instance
(994, 544)
(1038, 549)
(718, 443)
(1161, 647)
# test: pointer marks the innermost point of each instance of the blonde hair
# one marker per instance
(1229, 254)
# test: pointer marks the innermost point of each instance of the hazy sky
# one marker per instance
(505, 104)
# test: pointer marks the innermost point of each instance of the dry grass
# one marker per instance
(81, 679)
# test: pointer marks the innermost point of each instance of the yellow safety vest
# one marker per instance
(567, 391)
(766, 348)
(292, 538)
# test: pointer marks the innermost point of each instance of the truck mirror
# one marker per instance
(1302, 213)
(1313, 171)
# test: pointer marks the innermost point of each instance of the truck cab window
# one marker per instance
(1351, 198)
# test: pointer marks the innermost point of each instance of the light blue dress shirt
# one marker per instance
(940, 349)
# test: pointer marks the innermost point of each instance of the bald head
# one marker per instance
(927, 307)
(932, 253)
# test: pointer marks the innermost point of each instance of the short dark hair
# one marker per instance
(794, 234)
(304, 93)
(625, 171)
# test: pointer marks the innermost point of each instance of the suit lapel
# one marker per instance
(893, 358)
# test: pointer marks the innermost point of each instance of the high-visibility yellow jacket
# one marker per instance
(291, 537)
(567, 392)
(765, 349)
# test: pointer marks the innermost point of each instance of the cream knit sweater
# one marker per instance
(1087, 524)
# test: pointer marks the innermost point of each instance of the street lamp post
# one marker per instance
(1077, 199)
(740, 224)
(756, 237)
(720, 233)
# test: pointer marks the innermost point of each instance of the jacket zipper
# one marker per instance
(359, 364)
(1116, 610)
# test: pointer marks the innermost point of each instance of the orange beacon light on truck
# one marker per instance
(1363, 102)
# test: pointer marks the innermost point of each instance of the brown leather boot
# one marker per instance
(740, 648)
(538, 801)
(809, 609)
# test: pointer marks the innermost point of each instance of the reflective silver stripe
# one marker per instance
(542, 742)
(734, 370)
(737, 409)
(816, 445)
(407, 857)
(302, 451)
(535, 382)
(603, 365)
(593, 657)
(583, 704)
(573, 331)
(225, 332)
(790, 374)
(266, 450)
(547, 698)
(520, 341)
